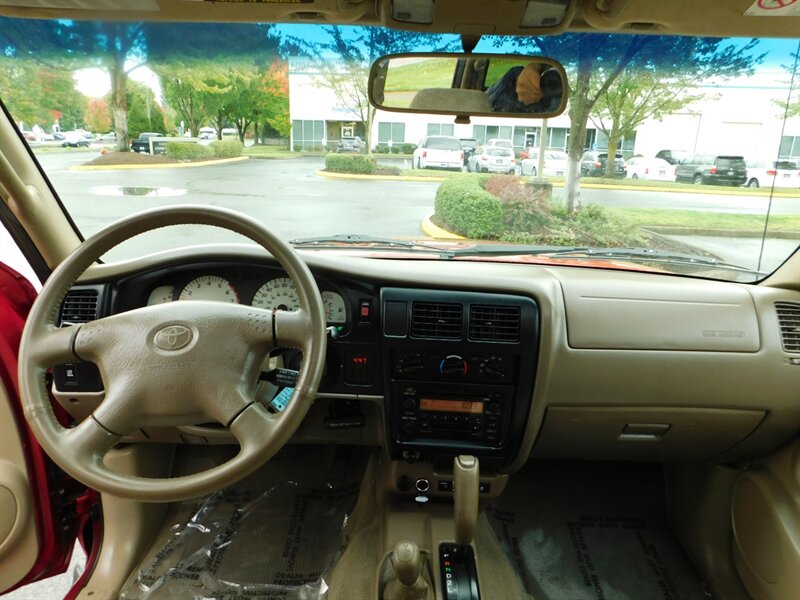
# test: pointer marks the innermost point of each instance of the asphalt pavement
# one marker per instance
(288, 196)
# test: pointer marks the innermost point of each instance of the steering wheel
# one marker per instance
(174, 364)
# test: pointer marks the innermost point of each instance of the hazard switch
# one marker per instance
(364, 310)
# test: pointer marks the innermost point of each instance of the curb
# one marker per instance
(332, 175)
(204, 163)
(729, 233)
(437, 232)
(560, 184)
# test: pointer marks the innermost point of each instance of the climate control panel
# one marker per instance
(437, 366)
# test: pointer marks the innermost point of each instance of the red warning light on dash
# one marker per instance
(360, 360)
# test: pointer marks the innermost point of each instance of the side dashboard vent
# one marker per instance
(436, 320)
(488, 323)
(79, 306)
(789, 324)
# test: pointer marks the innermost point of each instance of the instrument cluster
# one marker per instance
(277, 293)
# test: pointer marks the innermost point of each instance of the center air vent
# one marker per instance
(80, 306)
(436, 320)
(488, 323)
(789, 324)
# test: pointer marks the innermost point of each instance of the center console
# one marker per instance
(459, 368)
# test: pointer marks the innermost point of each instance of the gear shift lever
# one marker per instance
(466, 474)
(410, 584)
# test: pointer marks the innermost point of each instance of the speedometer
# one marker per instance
(210, 287)
(278, 294)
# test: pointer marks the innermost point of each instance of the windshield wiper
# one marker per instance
(646, 254)
(334, 241)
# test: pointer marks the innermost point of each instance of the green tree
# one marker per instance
(144, 113)
(182, 88)
(70, 45)
(635, 97)
(595, 61)
(791, 106)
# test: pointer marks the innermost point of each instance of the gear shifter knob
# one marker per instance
(466, 478)
(407, 563)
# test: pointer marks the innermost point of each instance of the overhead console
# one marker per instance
(459, 370)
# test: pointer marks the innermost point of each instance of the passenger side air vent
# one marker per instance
(789, 324)
(80, 306)
(436, 320)
(489, 323)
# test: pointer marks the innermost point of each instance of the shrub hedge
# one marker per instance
(464, 207)
(350, 163)
(227, 148)
(188, 151)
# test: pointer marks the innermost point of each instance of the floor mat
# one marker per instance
(274, 535)
(592, 532)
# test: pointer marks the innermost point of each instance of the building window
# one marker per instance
(557, 138)
(484, 133)
(394, 132)
(440, 129)
(790, 146)
(307, 135)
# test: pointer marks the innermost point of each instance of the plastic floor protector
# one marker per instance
(270, 536)
(592, 532)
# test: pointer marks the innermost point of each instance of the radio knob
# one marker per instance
(494, 408)
(409, 404)
(453, 365)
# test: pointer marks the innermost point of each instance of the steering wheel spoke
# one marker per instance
(53, 346)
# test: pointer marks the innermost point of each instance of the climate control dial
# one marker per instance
(453, 365)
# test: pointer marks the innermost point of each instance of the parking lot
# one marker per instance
(292, 199)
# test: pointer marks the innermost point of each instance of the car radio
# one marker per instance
(470, 413)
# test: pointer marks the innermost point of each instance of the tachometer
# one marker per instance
(335, 311)
(210, 287)
(277, 293)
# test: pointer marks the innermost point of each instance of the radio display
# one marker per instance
(459, 406)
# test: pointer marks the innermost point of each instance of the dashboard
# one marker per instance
(506, 361)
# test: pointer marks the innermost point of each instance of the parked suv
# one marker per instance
(438, 152)
(673, 157)
(593, 164)
(350, 143)
(713, 170)
(492, 159)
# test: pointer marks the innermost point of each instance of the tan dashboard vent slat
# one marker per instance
(789, 324)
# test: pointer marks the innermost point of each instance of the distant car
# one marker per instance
(781, 174)
(469, 145)
(555, 163)
(75, 139)
(350, 144)
(207, 135)
(713, 170)
(593, 164)
(142, 143)
(58, 136)
(438, 152)
(45, 137)
(111, 136)
(654, 169)
(229, 131)
(501, 143)
(30, 136)
(673, 157)
(492, 159)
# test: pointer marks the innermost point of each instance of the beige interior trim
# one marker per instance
(123, 546)
(787, 277)
(19, 542)
(766, 525)
(699, 506)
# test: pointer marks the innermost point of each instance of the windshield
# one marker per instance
(273, 120)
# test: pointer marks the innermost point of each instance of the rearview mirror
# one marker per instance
(500, 85)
